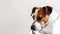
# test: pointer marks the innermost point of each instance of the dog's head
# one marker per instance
(40, 16)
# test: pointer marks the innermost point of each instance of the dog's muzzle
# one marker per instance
(35, 26)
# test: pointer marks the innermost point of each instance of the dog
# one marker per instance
(46, 21)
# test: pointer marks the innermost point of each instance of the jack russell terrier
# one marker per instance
(46, 21)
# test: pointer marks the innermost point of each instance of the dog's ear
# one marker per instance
(48, 10)
(33, 10)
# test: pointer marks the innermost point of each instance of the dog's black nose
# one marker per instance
(33, 27)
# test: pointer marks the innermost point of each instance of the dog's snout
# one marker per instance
(33, 27)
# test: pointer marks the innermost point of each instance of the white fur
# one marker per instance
(37, 25)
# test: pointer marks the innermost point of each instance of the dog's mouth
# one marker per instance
(37, 26)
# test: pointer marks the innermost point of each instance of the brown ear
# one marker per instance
(48, 10)
(33, 10)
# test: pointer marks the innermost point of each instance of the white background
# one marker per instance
(15, 14)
